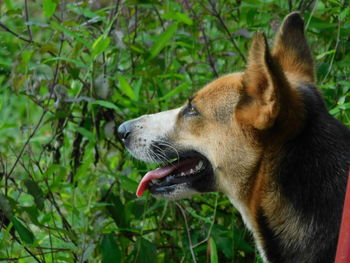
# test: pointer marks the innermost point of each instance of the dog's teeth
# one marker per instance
(199, 165)
(191, 171)
(182, 174)
(153, 181)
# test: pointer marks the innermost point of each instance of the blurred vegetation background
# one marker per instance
(72, 71)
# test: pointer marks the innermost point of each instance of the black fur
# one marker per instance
(312, 176)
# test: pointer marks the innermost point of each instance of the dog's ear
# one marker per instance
(262, 81)
(291, 48)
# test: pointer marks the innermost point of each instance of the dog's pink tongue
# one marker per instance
(155, 174)
(180, 166)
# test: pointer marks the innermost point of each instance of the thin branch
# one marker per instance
(290, 5)
(114, 14)
(304, 5)
(159, 17)
(27, 142)
(335, 52)
(14, 33)
(211, 225)
(206, 40)
(2, 168)
(31, 254)
(4, 27)
(188, 231)
(211, 61)
(25, 248)
(311, 14)
(27, 20)
(218, 16)
(301, 4)
(51, 88)
(133, 65)
(55, 250)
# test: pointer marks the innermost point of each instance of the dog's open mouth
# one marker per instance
(189, 169)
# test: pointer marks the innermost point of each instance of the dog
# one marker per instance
(264, 138)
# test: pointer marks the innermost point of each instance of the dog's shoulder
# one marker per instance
(311, 173)
(313, 166)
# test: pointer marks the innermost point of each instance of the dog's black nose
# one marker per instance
(124, 130)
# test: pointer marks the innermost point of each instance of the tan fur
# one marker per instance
(243, 121)
(224, 136)
(292, 50)
(258, 98)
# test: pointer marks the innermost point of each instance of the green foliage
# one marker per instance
(25, 234)
(110, 251)
(72, 71)
(213, 251)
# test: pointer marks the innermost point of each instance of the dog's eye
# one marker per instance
(190, 110)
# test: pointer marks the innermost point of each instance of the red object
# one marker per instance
(343, 250)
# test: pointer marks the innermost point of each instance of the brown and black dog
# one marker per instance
(264, 138)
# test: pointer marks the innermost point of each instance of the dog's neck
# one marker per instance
(277, 210)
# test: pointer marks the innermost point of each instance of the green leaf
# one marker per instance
(70, 33)
(175, 91)
(128, 184)
(126, 88)
(180, 17)
(87, 12)
(24, 233)
(33, 214)
(49, 7)
(35, 191)
(136, 207)
(163, 40)
(5, 206)
(70, 60)
(195, 215)
(325, 54)
(145, 251)
(344, 14)
(137, 49)
(116, 210)
(86, 133)
(26, 56)
(239, 241)
(137, 88)
(100, 45)
(109, 249)
(223, 240)
(213, 251)
(8, 4)
(106, 104)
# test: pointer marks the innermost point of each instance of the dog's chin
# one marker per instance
(173, 192)
(189, 173)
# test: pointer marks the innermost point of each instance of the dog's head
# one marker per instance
(216, 140)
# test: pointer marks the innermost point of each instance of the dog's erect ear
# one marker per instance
(291, 48)
(262, 81)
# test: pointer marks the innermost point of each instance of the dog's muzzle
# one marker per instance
(124, 131)
(182, 171)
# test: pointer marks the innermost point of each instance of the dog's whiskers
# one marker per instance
(160, 154)
(150, 156)
(167, 144)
